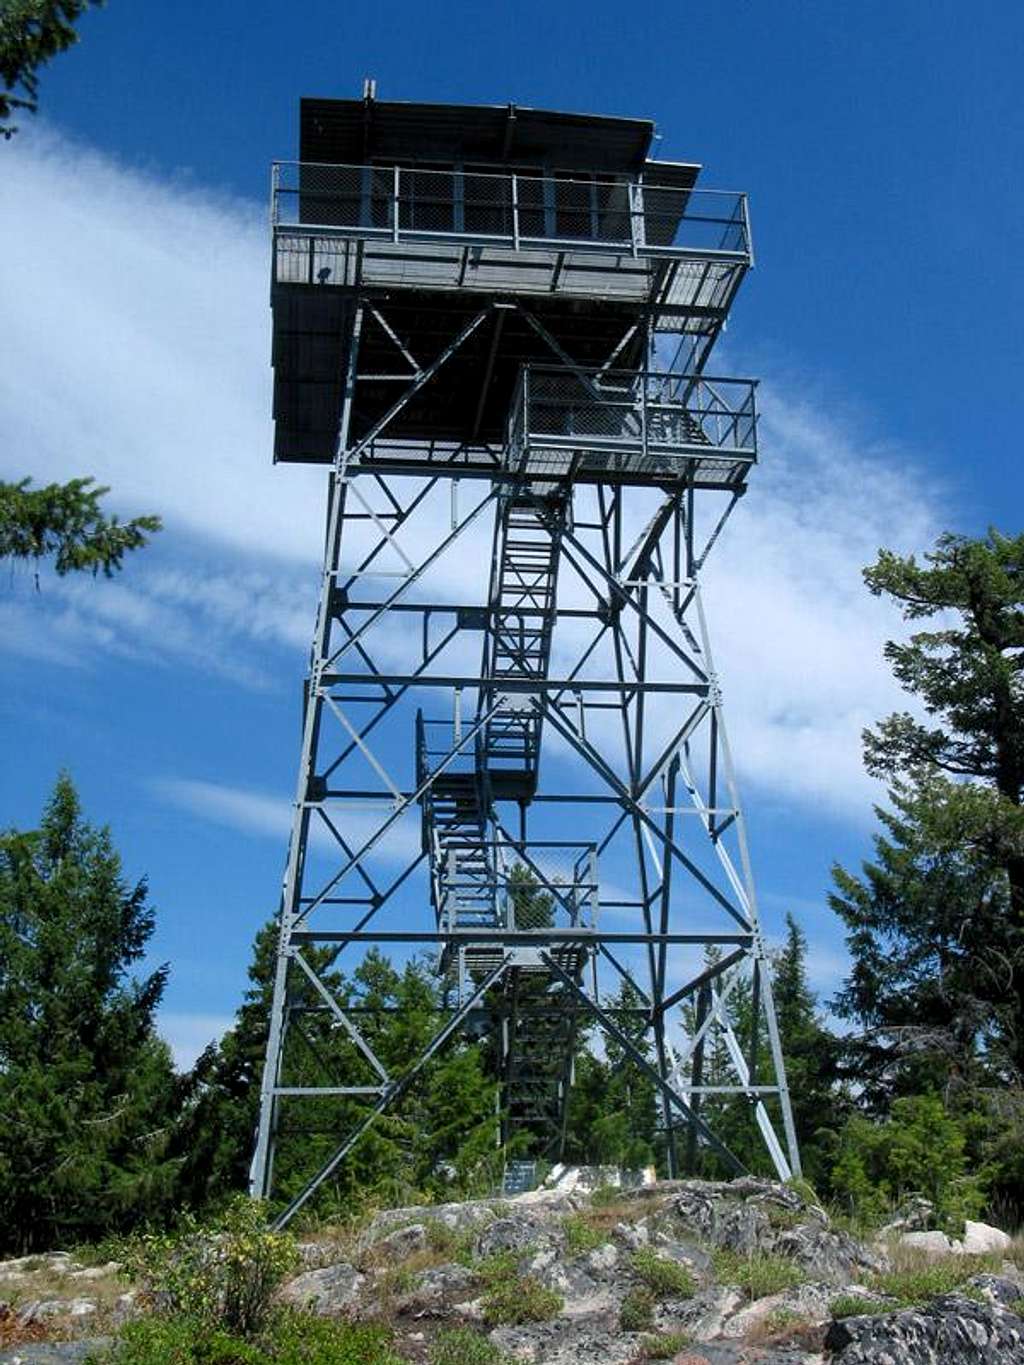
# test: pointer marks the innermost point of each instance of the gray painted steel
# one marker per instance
(516, 348)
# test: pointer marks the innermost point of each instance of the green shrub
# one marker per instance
(523, 1299)
(758, 1274)
(223, 1274)
(165, 1340)
(293, 1338)
(605, 1194)
(450, 1242)
(782, 1320)
(664, 1346)
(463, 1346)
(496, 1268)
(918, 1149)
(852, 1306)
(664, 1278)
(289, 1338)
(636, 1313)
(581, 1236)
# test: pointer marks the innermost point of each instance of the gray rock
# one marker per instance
(980, 1238)
(810, 1302)
(96, 1272)
(573, 1344)
(327, 1292)
(602, 1260)
(54, 1352)
(455, 1217)
(438, 1291)
(1002, 1289)
(517, 1233)
(952, 1330)
(403, 1241)
(633, 1236)
(916, 1215)
(751, 1215)
(41, 1309)
(935, 1243)
(704, 1315)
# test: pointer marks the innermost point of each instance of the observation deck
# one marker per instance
(400, 224)
(649, 238)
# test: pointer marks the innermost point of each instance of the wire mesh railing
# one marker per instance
(633, 412)
(635, 214)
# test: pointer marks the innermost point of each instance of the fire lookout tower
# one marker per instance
(493, 326)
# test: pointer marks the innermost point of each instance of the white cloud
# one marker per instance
(139, 308)
(188, 1034)
(258, 814)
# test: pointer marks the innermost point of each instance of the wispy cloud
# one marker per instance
(260, 815)
(143, 358)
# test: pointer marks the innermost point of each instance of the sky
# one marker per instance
(882, 147)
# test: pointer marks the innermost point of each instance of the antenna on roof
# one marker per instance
(369, 88)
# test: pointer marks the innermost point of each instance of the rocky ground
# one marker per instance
(696, 1272)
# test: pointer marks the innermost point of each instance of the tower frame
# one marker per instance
(605, 462)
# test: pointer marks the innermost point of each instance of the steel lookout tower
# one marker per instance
(493, 326)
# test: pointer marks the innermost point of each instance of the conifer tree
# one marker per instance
(87, 1089)
(936, 921)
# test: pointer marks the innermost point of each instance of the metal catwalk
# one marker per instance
(514, 753)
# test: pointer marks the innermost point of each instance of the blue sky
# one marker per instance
(882, 147)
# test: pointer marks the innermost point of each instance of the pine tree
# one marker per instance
(65, 521)
(87, 1089)
(931, 943)
(969, 676)
(31, 33)
(809, 1051)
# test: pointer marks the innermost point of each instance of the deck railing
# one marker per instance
(635, 215)
(631, 413)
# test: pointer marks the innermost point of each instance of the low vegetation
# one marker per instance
(636, 1312)
(465, 1346)
(664, 1345)
(759, 1273)
(581, 1235)
(916, 1277)
(856, 1305)
(664, 1278)
(519, 1300)
(287, 1338)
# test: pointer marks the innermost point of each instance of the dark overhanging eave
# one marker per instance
(351, 132)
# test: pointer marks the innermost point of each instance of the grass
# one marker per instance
(464, 1346)
(496, 1268)
(854, 1306)
(636, 1313)
(758, 1274)
(664, 1345)
(782, 1324)
(605, 1195)
(519, 1300)
(915, 1277)
(512, 1298)
(290, 1338)
(664, 1278)
(451, 1243)
(581, 1235)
